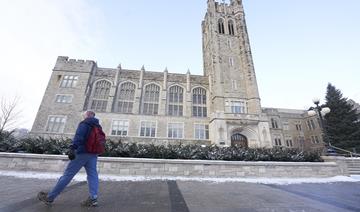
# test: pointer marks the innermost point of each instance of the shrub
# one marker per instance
(41, 145)
(8, 143)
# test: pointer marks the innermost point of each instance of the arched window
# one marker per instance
(100, 96)
(199, 102)
(126, 94)
(221, 26)
(151, 100)
(175, 101)
(231, 27)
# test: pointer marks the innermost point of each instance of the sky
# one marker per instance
(298, 46)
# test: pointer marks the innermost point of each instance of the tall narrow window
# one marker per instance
(126, 96)
(278, 141)
(100, 96)
(286, 125)
(234, 84)
(56, 124)
(175, 98)
(274, 123)
(199, 103)
(231, 27)
(312, 124)
(308, 124)
(221, 26)
(231, 61)
(315, 139)
(151, 100)
(229, 44)
(289, 143)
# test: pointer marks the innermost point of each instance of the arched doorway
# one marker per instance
(239, 140)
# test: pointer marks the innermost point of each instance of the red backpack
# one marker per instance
(96, 141)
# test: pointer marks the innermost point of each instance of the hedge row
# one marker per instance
(196, 152)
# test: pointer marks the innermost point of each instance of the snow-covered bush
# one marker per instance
(195, 152)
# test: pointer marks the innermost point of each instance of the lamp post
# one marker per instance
(321, 111)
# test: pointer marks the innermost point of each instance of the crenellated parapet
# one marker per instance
(63, 63)
(235, 6)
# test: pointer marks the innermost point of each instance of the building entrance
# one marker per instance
(239, 140)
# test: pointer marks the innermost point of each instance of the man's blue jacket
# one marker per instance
(82, 133)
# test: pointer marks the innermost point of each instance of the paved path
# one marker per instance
(178, 196)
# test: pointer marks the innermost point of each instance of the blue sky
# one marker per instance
(298, 46)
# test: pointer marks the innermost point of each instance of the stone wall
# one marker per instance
(340, 161)
(175, 168)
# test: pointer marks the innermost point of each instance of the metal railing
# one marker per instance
(351, 154)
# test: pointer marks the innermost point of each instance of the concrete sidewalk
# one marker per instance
(169, 196)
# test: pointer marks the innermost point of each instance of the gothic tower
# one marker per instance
(235, 103)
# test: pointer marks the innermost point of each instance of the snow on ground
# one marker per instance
(278, 181)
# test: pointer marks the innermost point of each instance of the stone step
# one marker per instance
(354, 173)
(353, 166)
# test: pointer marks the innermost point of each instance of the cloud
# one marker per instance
(32, 34)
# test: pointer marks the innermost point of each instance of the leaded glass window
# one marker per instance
(175, 101)
(126, 95)
(56, 124)
(151, 100)
(199, 103)
(237, 107)
(100, 96)
(69, 81)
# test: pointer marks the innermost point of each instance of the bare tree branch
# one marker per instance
(9, 115)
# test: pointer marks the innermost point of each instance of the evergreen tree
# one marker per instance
(342, 126)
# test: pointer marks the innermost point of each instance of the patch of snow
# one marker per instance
(356, 177)
(276, 181)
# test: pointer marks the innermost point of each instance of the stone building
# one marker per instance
(221, 107)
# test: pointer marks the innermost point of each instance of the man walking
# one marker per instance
(79, 157)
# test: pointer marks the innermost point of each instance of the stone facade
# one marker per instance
(221, 107)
